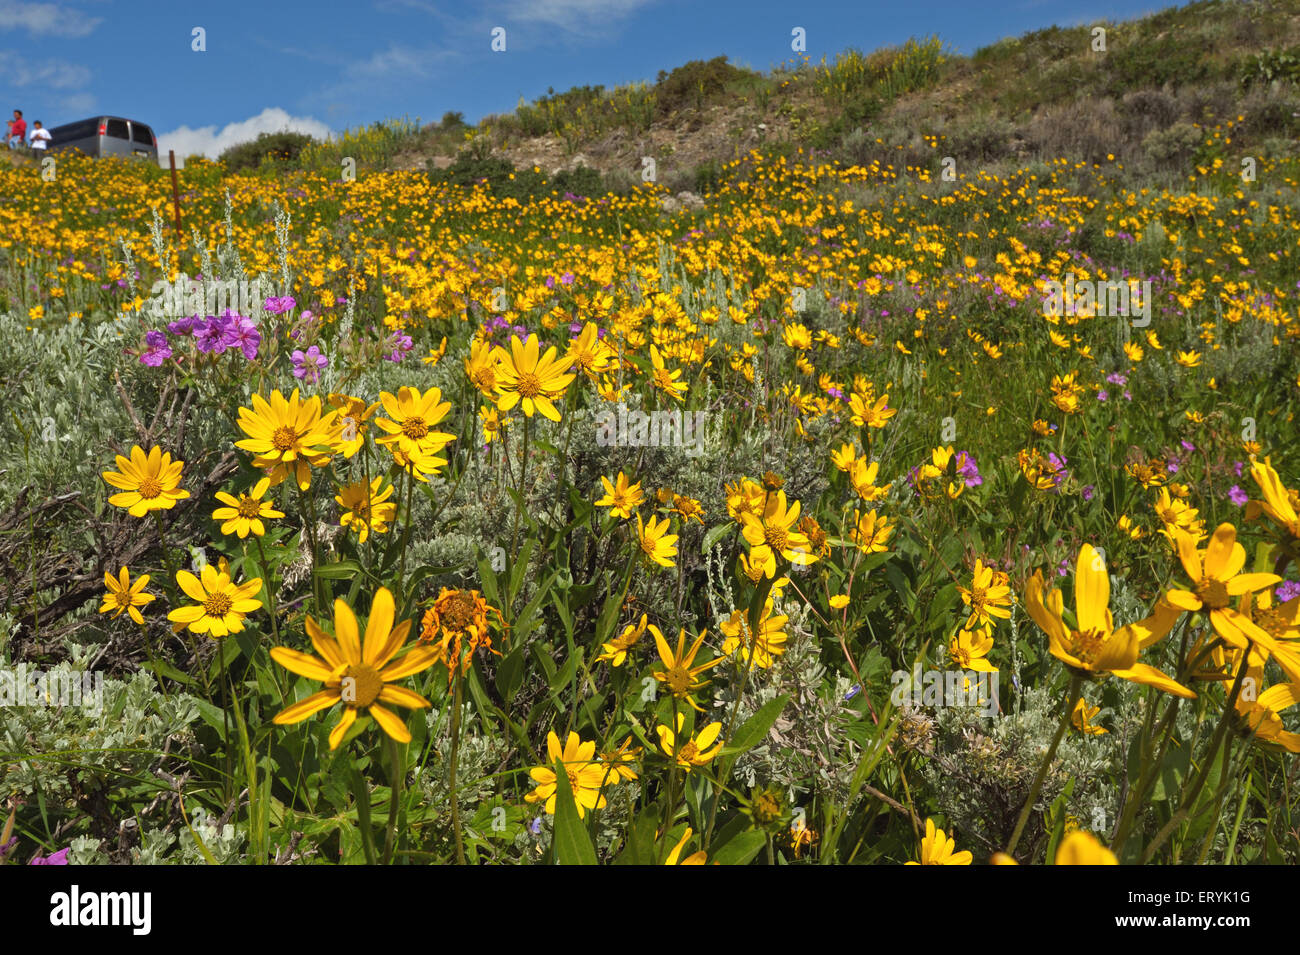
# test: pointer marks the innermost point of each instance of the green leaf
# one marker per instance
(752, 731)
(715, 534)
(339, 570)
(572, 843)
(741, 849)
(510, 673)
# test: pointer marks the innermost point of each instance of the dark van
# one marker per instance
(103, 136)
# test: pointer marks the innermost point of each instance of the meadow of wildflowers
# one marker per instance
(793, 528)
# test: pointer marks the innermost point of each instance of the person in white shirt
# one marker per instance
(40, 136)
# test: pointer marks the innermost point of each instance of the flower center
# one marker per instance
(664, 379)
(415, 429)
(679, 680)
(1271, 622)
(1213, 593)
(123, 599)
(573, 779)
(529, 385)
(284, 438)
(150, 488)
(688, 752)
(360, 685)
(775, 536)
(1085, 645)
(648, 545)
(217, 605)
(249, 507)
(460, 612)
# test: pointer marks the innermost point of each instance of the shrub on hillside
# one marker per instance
(282, 146)
(695, 83)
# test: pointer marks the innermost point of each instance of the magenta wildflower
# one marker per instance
(158, 351)
(968, 469)
(401, 344)
(1286, 590)
(245, 336)
(183, 326)
(308, 366)
(277, 306)
(55, 858)
(214, 336)
(1237, 496)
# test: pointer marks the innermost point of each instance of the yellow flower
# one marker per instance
(874, 415)
(1216, 579)
(288, 435)
(843, 458)
(1279, 502)
(222, 604)
(615, 652)
(493, 421)
(767, 644)
(1083, 848)
(435, 354)
(590, 354)
(123, 595)
(663, 379)
(1095, 647)
(1189, 359)
(986, 597)
(353, 415)
(586, 776)
(358, 674)
(365, 509)
(656, 543)
(863, 477)
(244, 514)
(840, 601)
(457, 620)
(681, 676)
(688, 509)
(618, 762)
(523, 378)
(870, 532)
(148, 482)
(409, 435)
(621, 497)
(1258, 710)
(773, 534)
(937, 849)
(968, 649)
(1080, 716)
(481, 367)
(693, 751)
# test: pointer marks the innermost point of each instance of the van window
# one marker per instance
(117, 129)
(141, 133)
(72, 131)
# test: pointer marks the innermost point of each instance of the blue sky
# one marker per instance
(336, 64)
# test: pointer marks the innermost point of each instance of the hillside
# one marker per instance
(1145, 100)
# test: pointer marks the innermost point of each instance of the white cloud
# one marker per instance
(23, 70)
(46, 19)
(211, 142)
(400, 61)
(580, 16)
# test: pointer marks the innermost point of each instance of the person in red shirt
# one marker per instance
(17, 130)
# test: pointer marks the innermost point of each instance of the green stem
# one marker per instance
(396, 778)
(455, 755)
(1075, 682)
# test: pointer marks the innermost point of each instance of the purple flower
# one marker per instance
(8, 846)
(1128, 395)
(56, 858)
(183, 326)
(1286, 590)
(1101, 395)
(567, 278)
(535, 826)
(1063, 567)
(245, 336)
(550, 281)
(1058, 467)
(158, 351)
(1237, 496)
(968, 469)
(277, 306)
(1087, 492)
(213, 337)
(401, 343)
(1187, 446)
(307, 366)
(1237, 466)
